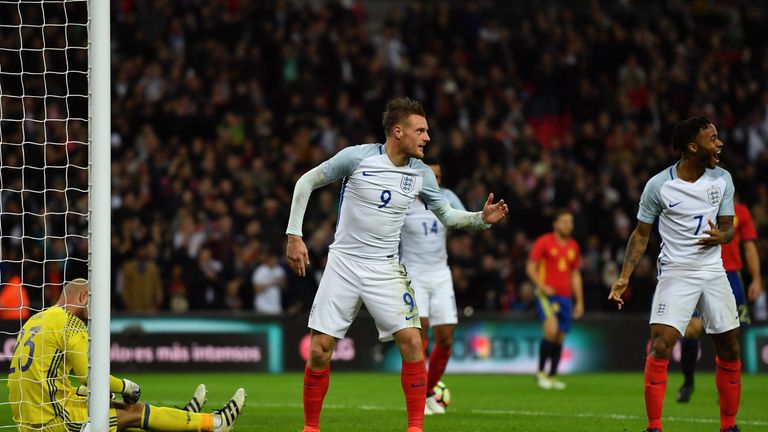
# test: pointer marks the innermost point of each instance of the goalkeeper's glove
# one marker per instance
(131, 391)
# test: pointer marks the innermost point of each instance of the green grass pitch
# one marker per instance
(374, 402)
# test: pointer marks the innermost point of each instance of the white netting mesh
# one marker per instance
(43, 161)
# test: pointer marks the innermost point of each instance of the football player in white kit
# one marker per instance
(380, 183)
(424, 255)
(693, 203)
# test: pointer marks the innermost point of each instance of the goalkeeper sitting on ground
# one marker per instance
(54, 343)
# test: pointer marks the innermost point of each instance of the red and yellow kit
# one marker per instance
(744, 230)
(557, 260)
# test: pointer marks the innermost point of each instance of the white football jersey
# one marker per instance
(375, 194)
(422, 242)
(683, 210)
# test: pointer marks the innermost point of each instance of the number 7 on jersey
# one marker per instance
(700, 218)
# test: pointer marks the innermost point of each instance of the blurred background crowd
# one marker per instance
(219, 106)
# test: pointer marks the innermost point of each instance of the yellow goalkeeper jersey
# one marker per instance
(50, 345)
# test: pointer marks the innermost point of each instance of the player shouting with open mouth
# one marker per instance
(380, 183)
(693, 202)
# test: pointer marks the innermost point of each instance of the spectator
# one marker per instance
(14, 300)
(268, 283)
(177, 288)
(140, 281)
(206, 288)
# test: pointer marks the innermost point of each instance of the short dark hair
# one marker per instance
(686, 130)
(560, 212)
(399, 110)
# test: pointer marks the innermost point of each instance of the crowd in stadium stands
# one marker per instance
(43, 153)
(219, 107)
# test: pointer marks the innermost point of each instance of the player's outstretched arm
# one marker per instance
(636, 245)
(459, 219)
(453, 218)
(130, 391)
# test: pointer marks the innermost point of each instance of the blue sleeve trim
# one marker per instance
(146, 417)
(341, 198)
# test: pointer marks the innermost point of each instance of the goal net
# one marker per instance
(45, 177)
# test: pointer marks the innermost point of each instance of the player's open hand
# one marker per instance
(578, 310)
(494, 213)
(297, 255)
(715, 237)
(755, 289)
(617, 290)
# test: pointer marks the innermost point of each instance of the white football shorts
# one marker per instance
(349, 282)
(434, 294)
(680, 292)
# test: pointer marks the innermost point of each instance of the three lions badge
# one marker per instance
(407, 183)
(713, 196)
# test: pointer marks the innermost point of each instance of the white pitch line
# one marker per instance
(523, 413)
(611, 416)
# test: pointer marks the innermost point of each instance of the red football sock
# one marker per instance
(437, 363)
(655, 386)
(315, 387)
(414, 378)
(424, 345)
(728, 379)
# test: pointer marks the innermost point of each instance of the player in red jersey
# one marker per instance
(746, 235)
(554, 267)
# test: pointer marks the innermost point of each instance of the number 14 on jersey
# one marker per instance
(428, 229)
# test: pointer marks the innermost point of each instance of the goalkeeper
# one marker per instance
(53, 345)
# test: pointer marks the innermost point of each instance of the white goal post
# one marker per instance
(55, 215)
(100, 211)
